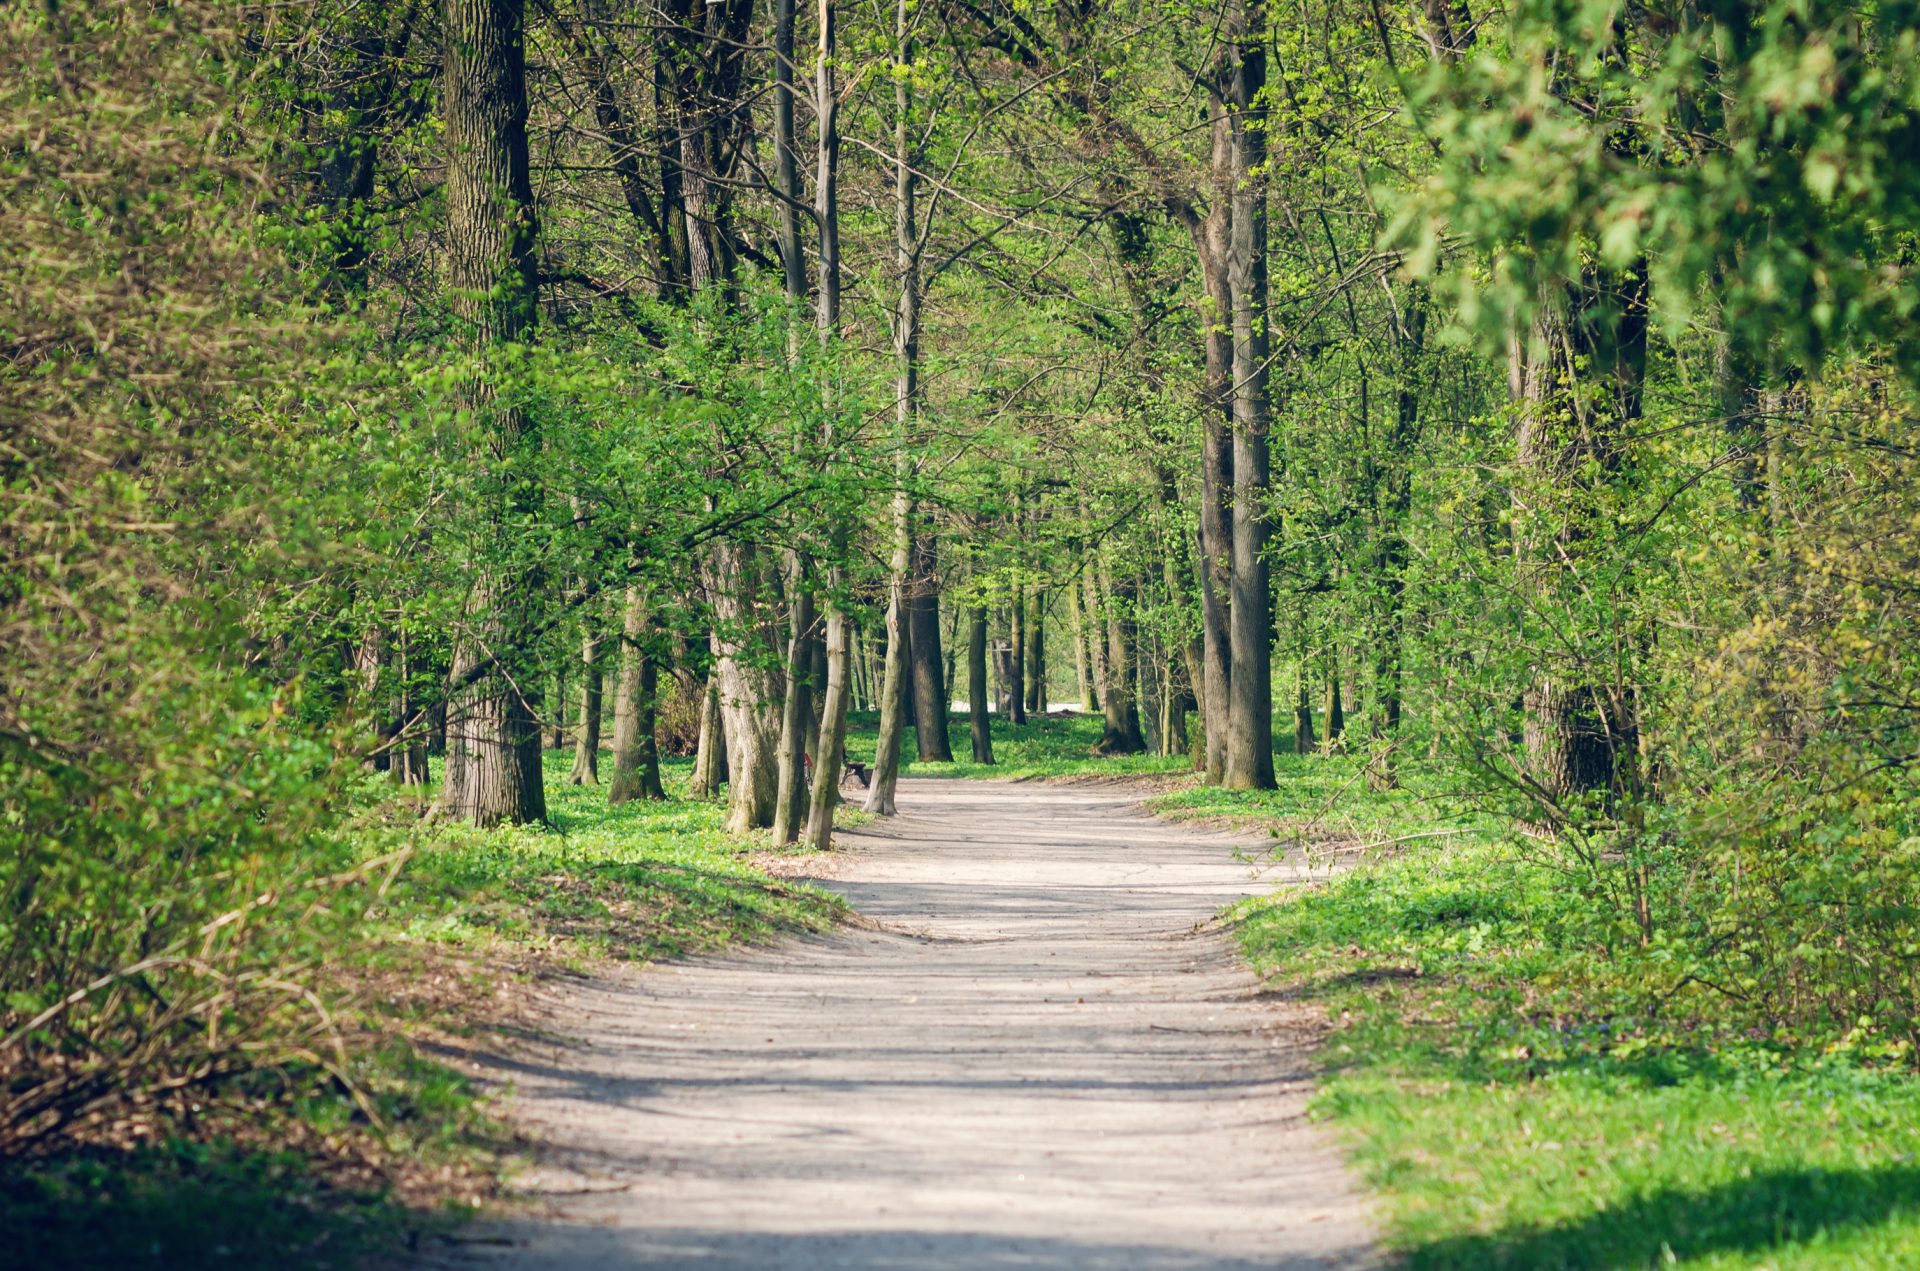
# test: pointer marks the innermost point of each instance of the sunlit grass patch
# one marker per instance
(1527, 1086)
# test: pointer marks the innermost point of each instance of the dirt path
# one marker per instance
(1038, 1061)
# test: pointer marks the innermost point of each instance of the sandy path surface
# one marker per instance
(1038, 1059)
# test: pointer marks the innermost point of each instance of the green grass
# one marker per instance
(642, 881)
(1526, 1088)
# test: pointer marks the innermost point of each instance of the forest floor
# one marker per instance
(1035, 1048)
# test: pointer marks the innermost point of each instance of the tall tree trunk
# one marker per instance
(906, 353)
(1096, 627)
(1036, 653)
(1213, 242)
(977, 715)
(751, 694)
(791, 797)
(710, 755)
(1082, 670)
(636, 752)
(833, 733)
(1121, 735)
(923, 642)
(893, 688)
(1017, 656)
(790, 802)
(1250, 708)
(493, 772)
(586, 749)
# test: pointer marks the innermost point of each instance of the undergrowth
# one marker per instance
(1530, 1086)
(316, 1167)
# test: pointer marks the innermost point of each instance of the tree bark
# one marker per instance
(1121, 735)
(906, 351)
(790, 800)
(586, 748)
(977, 716)
(636, 751)
(1017, 656)
(1036, 668)
(710, 756)
(1082, 669)
(1250, 708)
(493, 771)
(930, 700)
(893, 689)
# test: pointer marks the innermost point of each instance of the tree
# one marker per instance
(493, 731)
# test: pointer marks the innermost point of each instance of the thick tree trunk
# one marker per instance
(930, 698)
(586, 749)
(1250, 627)
(493, 772)
(751, 694)
(977, 716)
(636, 752)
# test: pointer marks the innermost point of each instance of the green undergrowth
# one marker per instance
(321, 1167)
(190, 1205)
(1528, 1086)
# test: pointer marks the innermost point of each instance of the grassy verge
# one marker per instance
(313, 1170)
(1526, 1091)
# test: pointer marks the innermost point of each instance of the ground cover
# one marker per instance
(319, 1168)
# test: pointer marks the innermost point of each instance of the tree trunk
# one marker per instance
(1250, 708)
(1121, 735)
(1082, 670)
(751, 694)
(586, 749)
(1303, 743)
(1336, 711)
(636, 752)
(1036, 668)
(923, 642)
(977, 686)
(1214, 572)
(893, 690)
(710, 757)
(906, 354)
(790, 800)
(493, 771)
(1017, 656)
(833, 731)
(1578, 378)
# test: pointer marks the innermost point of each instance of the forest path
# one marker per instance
(1037, 1055)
